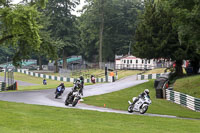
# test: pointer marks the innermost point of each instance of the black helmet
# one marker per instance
(81, 78)
(62, 84)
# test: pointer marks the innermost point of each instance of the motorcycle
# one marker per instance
(58, 92)
(140, 106)
(73, 98)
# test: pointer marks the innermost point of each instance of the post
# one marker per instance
(106, 73)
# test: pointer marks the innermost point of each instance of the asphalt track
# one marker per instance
(46, 97)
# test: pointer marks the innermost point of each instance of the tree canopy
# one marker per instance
(166, 32)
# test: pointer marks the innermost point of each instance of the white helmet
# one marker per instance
(146, 91)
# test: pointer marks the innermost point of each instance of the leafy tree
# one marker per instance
(62, 26)
(187, 21)
(157, 37)
(19, 28)
(119, 18)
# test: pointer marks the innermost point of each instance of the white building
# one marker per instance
(132, 62)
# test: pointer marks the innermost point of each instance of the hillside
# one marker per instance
(188, 85)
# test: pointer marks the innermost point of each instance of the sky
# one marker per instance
(74, 13)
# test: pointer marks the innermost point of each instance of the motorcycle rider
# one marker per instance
(82, 84)
(78, 86)
(142, 95)
(62, 88)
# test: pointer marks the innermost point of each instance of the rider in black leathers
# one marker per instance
(146, 92)
(78, 86)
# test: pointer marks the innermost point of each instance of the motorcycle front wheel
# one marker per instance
(75, 102)
(143, 109)
(130, 108)
(56, 95)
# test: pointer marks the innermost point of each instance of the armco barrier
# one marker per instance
(58, 78)
(149, 76)
(2, 86)
(183, 99)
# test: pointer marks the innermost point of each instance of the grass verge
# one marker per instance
(23, 118)
(188, 85)
(37, 81)
(119, 100)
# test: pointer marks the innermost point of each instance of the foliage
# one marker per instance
(62, 26)
(119, 26)
(5, 52)
(20, 29)
(166, 31)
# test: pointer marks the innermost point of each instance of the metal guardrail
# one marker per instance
(2, 86)
(183, 99)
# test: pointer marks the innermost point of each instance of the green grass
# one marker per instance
(24, 118)
(189, 85)
(118, 100)
(158, 70)
(99, 73)
(35, 80)
(125, 73)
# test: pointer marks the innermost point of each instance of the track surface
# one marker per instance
(46, 97)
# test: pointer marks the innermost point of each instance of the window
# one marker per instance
(142, 61)
(124, 61)
(127, 61)
(149, 61)
(136, 61)
(131, 61)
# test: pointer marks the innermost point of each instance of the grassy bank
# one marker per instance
(22, 118)
(98, 73)
(118, 100)
(188, 85)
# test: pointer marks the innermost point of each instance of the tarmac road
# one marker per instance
(46, 97)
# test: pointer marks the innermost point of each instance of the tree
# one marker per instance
(62, 26)
(108, 25)
(19, 28)
(156, 37)
(187, 21)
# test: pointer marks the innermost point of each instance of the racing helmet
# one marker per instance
(81, 78)
(146, 91)
(62, 84)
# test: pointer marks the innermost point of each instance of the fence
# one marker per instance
(149, 76)
(58, 78)
(183, 99)
(134, 66)
(2, 86)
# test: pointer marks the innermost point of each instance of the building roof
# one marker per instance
(127, 57)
